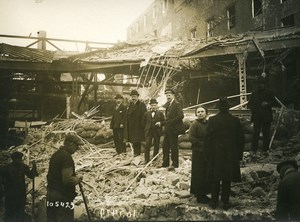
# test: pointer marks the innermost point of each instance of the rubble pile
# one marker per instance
(94, 132)
(90, 130)
(123, 187)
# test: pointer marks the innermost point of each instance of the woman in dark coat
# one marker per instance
(199, 183)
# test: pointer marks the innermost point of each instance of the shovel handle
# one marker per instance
(85, 202)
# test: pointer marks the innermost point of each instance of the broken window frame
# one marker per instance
(231, 17)
(193, 33)
(288, 21)
(256, 7)
(210, 27)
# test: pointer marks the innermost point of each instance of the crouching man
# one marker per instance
(62, 180)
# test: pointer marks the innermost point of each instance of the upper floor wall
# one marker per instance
(208, 18)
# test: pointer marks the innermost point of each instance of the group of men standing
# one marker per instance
(135, 124)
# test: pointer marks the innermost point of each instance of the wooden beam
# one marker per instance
(55, 39)
(57, 66)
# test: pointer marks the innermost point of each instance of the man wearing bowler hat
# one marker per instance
(117, 124)
(134, 127)
(288, 195)
(153, 121)
(223, 146)
(173, 127)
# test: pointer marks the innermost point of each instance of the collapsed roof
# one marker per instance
(174, 53)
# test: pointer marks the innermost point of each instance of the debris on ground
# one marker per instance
(123, 187)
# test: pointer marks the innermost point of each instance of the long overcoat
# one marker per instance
(259, 112)
(118, 117)
(134, 127)
(174, 116)
(224, 144)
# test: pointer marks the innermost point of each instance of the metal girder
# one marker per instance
(248, 46)
(242, 76)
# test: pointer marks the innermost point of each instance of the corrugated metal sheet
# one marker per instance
(9, 52)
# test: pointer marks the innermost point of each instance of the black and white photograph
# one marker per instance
(149, 110)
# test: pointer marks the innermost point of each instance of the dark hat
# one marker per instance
(118, 96)
(153, 101)
(223, 103)
(286, 164)
(73, 138)
(134, 92)
(16, 155)
(169, 90)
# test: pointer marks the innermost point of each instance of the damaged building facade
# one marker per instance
(213, 20)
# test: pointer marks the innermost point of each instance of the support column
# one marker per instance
(68, 106)
(242, 77)
(75, 92)
(95, 87)
(42, 42)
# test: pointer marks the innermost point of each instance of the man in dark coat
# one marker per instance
(134, 128)
(117, 124)
(260, 104)
(224, 144)
(61, 181)
(13, 179)
(288, 195)
(153, 121)
(173, 127)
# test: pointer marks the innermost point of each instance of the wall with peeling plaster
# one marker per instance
(192, 15)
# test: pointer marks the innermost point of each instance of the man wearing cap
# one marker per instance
(173, 127)
(260, 103)
(13, 179)
(288, 195)
(153, 121)
(117, 124)
(223, 146)
(134, 127)
(61, 181)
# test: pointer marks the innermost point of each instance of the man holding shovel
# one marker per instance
(62, 180)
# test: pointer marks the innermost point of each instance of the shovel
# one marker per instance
(85, 202)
